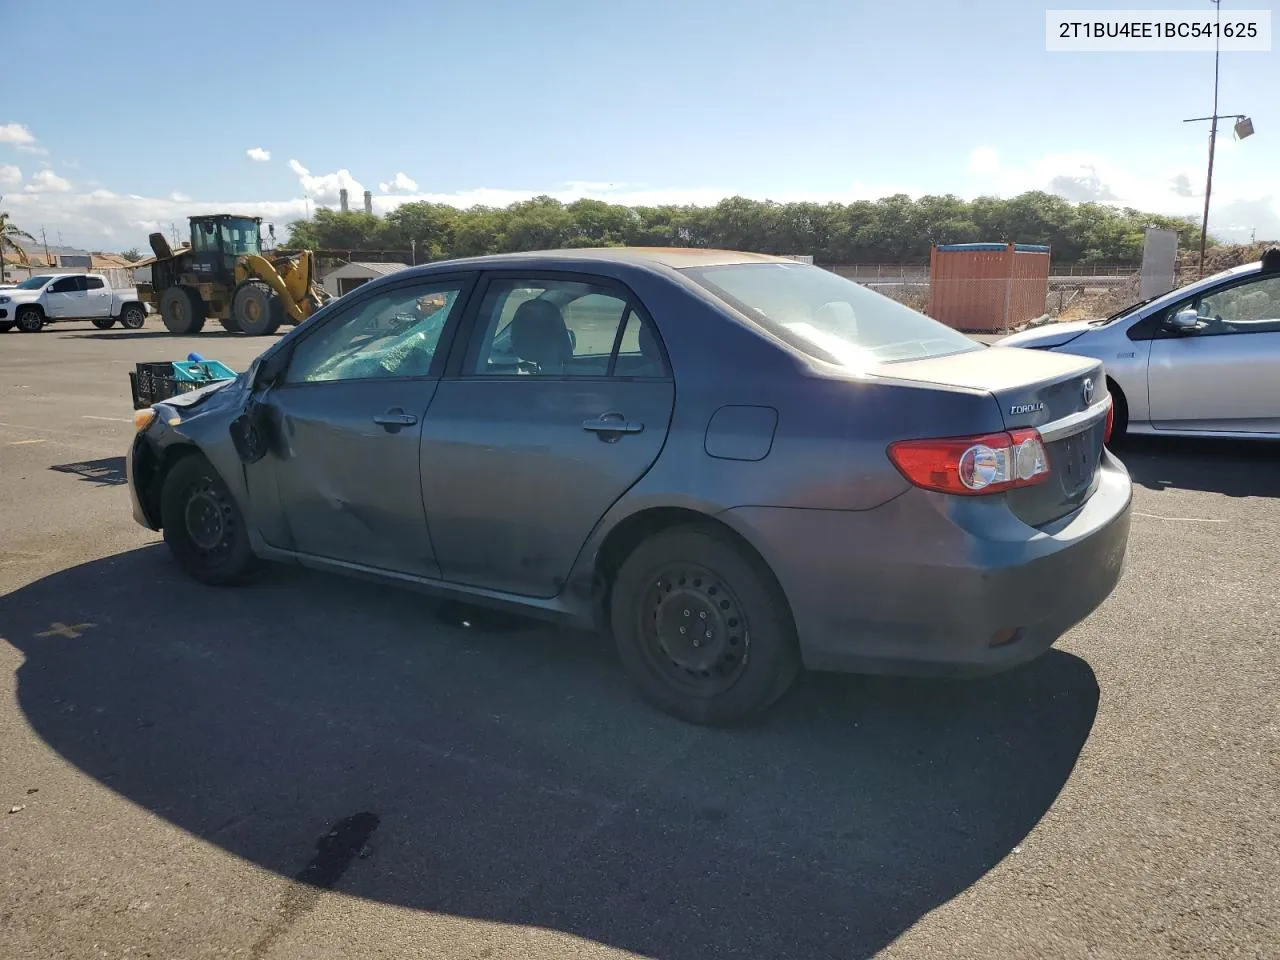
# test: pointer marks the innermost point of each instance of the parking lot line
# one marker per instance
(1156, 516)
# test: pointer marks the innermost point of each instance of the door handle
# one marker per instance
(611, 423)
(395, 417)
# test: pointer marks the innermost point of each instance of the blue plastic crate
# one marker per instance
(202, 371)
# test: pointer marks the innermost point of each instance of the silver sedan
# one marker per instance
(1198, 361)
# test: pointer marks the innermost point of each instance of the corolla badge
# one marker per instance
(1018, 409)
(1086, 390)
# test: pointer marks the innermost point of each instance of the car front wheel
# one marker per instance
(30, 320)
(203, 526)
(702, 626)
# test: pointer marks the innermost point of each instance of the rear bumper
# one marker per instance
(931, 584)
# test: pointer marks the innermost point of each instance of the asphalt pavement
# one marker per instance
(312, 767)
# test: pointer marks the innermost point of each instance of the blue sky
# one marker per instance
(127, 124)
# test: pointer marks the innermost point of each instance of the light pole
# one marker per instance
(1244, 128)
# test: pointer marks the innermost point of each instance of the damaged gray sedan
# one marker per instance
(737, 464)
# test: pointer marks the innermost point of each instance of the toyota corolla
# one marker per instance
(738, 465)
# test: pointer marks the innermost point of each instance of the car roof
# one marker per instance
(673, 257)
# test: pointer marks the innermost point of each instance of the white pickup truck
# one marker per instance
(49, 297)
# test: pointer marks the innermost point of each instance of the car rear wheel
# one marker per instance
(702, 627)
(30, 320)
(133, 316)
(203, 526)
(104, 323)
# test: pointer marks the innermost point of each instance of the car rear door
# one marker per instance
(530, 437)
(97, 301)
(1222, 376)
(348, 417)
(65, 298)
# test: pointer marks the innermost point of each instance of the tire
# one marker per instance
(182, 311)
(699, 575)
(257, 309)
(104, 323)
(229, 324)
(202, 524)
(133, 316)
(29, 320)
(6, 326)
(1120, 419)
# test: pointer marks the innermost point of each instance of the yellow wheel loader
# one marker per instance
(224, 274)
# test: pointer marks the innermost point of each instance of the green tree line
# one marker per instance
(894, 229)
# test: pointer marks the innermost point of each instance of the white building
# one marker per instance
(342, 280)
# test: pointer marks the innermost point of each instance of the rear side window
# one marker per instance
(826, 316)
(93, 283)
(562, 328)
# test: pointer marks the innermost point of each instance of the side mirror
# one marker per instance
(573, 340)
(1185, 320)
(271, 369)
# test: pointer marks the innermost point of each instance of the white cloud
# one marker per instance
(10, 176)
(324, 188)
(179, 197)
(400, 183)
(298, 168)
(46, 181)
(984, 160)
(16, 134)
(258, 154)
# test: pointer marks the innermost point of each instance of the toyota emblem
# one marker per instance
(1086, 389)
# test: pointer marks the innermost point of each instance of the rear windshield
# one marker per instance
(826, 316)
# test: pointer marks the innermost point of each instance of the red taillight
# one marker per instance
(1111, 419)
(972, 466)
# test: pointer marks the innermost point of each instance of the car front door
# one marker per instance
(348, 414)
(550, 414)
(65, 298)
(1220, 376)
(97, 301)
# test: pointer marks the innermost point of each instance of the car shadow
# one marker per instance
(1236, 468)
(108, 472)
(213, 334)
(337, 732)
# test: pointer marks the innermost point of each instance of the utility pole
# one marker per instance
(45, 242)
(1244, 128)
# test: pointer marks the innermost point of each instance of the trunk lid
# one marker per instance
(1061, 395)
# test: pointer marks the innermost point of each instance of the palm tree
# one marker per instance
(9, 237)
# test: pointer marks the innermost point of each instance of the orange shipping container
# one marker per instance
(987, 287)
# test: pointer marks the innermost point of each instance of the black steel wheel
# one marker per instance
(693, 629)
(104, 323)
(133, 316)
(202, 523)
(702, 626)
